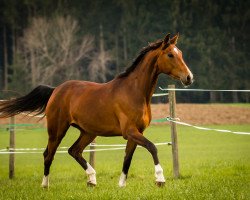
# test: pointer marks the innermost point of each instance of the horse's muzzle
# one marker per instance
(187, 80)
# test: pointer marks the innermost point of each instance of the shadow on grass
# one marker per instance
(182, 177)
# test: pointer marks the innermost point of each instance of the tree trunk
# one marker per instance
(33, 67)
(235, 97)
(222, 97)
(235, 94)
(14, 49)
(117, 53)
(101, 41)
(247, 96)
(125, 49)
(5, 50)
(212, 97)
(102, 55)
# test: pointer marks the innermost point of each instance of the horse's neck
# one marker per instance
(143, 79)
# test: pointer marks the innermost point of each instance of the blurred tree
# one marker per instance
(98, 67)
(213, 38)
(52, 51)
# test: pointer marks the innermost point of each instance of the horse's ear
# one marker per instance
(166, 41)
(174, 39)
(167, 38)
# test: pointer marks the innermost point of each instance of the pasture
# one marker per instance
(212, 165)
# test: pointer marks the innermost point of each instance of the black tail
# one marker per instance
(35, 101)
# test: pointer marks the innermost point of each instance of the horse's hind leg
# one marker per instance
(56, 134)
(76, 152)
(130, 149)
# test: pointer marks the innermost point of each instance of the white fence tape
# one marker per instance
(38, 150)
(160, 94)
(201, 90)
(207, 129)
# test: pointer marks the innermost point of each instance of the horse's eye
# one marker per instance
(170, 55)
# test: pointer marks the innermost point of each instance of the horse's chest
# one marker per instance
(144, 118)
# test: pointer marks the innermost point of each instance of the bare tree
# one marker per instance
(98, 69)
(53, 50)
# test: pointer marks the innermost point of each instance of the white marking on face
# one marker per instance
(190, 74)
(176, 50)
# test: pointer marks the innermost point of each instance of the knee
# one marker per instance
(71, 152)
(74, 153)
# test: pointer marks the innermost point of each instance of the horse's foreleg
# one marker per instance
(130, 148)
(134, 135)
(76, 152)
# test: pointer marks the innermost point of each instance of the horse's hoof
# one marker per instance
(89, 184)
(160, 184)
(46, 187)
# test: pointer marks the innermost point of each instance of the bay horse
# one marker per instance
(120, 107)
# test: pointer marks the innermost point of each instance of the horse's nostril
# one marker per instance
(188, 78)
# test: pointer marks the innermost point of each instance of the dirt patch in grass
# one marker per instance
(23, 119)
(202, 114)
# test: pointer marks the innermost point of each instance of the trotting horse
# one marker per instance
(120, 107)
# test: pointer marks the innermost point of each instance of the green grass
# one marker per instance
(213, 166)
(244, 105)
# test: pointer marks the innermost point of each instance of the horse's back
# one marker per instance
(68, 92)
(85, 104)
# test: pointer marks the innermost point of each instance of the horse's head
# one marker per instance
(170, 61)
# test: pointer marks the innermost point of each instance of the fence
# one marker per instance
(171, 119)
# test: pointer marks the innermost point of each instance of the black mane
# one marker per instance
(137, 60)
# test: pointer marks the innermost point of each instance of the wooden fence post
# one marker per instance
(172, 103)
(11, 148)
(92, 155)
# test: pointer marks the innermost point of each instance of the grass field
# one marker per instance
(244, 105)
(213, 166)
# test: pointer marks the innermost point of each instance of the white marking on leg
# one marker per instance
(45, 182)
(91, 173)
(159, 174)
(122, 181)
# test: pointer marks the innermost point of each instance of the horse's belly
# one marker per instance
(98, 123)
(100, 128)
